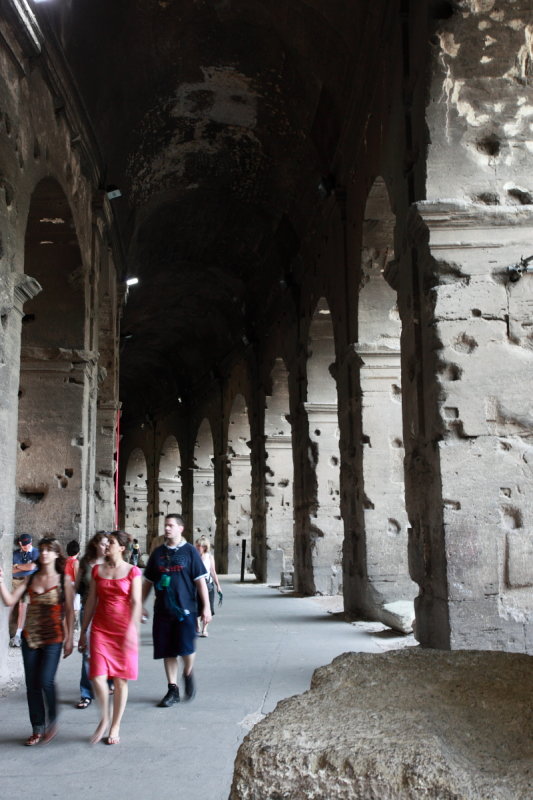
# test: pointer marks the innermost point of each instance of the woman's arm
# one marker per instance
(214, 573)
(132, 633)
(10, 598)
(88, 612)
(69, 618)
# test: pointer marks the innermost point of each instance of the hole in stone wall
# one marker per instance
(396, 390)
(393, 527)
(334, 461)
(367, 503)
(476, 312)
(62, 482)
(524, 197)
(69, 473)
(451, 372)
(366, 440)
(511, 517)
(397, 443)
(24, 445)
(490, 145)
(488, 198)
(3, 321)
(32, 495)
(317, 432)
(465, 344)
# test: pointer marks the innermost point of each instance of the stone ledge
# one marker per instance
(407, 724)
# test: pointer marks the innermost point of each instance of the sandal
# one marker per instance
(84, 702)
(35, 738)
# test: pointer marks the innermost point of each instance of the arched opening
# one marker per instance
(326, 527)
(169, 482)
(239, 484)
(204, 484)
(55, 370)
(136, 498)
(279, 480)
(379, 331)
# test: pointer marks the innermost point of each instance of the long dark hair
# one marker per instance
(91, 553)
(52, 544)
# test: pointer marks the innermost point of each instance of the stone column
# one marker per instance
(327, 532)
(239, 516)
(279, 518)
(390, 591)
(468, 372)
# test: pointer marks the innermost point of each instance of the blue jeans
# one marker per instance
(40, 667)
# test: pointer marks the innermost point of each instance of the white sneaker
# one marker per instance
(15, 640)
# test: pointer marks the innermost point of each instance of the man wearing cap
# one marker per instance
(24, 564)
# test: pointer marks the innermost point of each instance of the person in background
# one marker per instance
(135, 553)
(72, 563)
(24, 564)
(114, 607)
(203, 546)
(94, 554)
(47, 631)
(71, 572)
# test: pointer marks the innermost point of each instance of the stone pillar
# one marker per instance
(15, 290)
(468, 371)
(239, 513)
(384, 501)
(279, 496)
(326, 526)
(204, 503)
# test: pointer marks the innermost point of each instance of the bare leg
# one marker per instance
(21, 615)
(119, 704)
(171, 669)
(101, 691)
(188, 662)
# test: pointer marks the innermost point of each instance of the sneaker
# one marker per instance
(15, 640)
(190, 688)
(171, 698)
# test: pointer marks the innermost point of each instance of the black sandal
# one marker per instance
(84, 702)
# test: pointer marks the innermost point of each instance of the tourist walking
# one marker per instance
(203, 546)
(47, 631)
(114, 608)
(24, 564)
(94, 554)
(177, 573)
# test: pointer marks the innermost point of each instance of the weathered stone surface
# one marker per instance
(407, 724)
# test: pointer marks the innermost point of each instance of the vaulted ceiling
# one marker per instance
(216, 119)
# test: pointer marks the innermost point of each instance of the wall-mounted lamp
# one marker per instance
(131, 281)
(515, 271)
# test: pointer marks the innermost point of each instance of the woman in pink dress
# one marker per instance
(114, 606)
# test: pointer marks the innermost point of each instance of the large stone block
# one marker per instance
(404, 725)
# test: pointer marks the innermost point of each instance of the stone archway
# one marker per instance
(326, 528)
(55, 374)
(136, 498)
(239, 484)
(204, 484)
(169, 481)
(279, 479)
(391, 591)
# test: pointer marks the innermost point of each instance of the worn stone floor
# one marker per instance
(263, 646)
